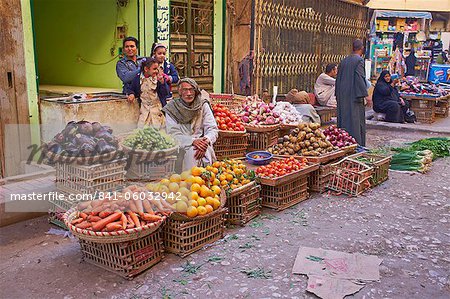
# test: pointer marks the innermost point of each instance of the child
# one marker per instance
(151, 89)
(159, 53)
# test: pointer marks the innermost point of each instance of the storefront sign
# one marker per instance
(163, 22)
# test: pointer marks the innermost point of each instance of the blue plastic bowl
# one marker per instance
(263, 161)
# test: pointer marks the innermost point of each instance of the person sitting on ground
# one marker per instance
(190, 120)
(324, 88)
(129, 66)
(151, 90)
(387, 100)
(300, 100)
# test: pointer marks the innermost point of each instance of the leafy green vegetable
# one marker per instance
(440, 146)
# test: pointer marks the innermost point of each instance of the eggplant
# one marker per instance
(107, 129)
(72, 150)
(96, 126)
(103, 147)
(85, 127)
(104, 135)
(81, 139)
(87, 150)
(59, 138)
(70, 130)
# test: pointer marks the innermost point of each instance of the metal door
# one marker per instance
(191, 40)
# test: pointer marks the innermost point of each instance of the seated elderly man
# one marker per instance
(191, 122)
(324, 87)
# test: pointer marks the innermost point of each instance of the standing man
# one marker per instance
(351, 90)
(129, 66)
(324, 89)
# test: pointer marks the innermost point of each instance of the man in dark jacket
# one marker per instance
(129, 66)
(351, 90)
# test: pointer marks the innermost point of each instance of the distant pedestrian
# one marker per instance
(351, 90)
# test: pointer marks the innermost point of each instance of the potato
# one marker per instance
(309, 136)
(310, 148)
(302, 126)
(297, 148)
(291, 151)
(308, 130)
(307, 143)
(313, 139)
(301, 144)
(315, 145)
(314, 126)
(293, 139)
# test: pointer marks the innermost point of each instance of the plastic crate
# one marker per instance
(260, 141)
(126, 259)
(350, 177)
(285, 195)
(72, 178)
(244, 205)
(230, 146)
(151, 171)
(185, 237)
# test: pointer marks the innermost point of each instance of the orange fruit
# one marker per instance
(216, 164)
(201, 201)
(224, 183)
(165, 182)
(209, 200)
(204, 191)
(198, 180)
(176, 178)
(193, 203)
(215, 170)
(216, 182)
(183, 184)
(181, 206)
(173, 187)
(185, 175)
(195, 188)
(209, 209)
(229, 177)
(216, 204)
(193, 195)
(190, 179)
(184, 191)
(192, 212)
(222, 177)
(216, 189)
(196, 171)
(201, 211)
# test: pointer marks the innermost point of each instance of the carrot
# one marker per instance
(92, 218)
(95, 211)
(96, 203)
(99, 225)
(139, 206)
(166, 205)
(84, 205)
(83, 215)
(130, 221)
(83, 225)
(76, 221)
(132, 206)
(113, 226)
(124, 221)
(104, 213)
(135, 219)
(158, 205)
(147, 207)
(150, 217)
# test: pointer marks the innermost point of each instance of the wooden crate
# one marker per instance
(185, 237)
(427, 115)
(230, 146)
(151, 170)
(232, 102)
(441, 109)
(73, 178)
(285, 195)
(326, 113)
(421, 104)
(380, 166)
(243, 204)
(318, 179)
(126, 259)
(350, 177)
(262, 140)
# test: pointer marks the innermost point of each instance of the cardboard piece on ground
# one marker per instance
(336, 264)
(332, 288)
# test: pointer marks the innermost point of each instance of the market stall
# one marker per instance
(403, 29)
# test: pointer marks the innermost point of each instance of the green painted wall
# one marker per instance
(219, 46)
(70, 31)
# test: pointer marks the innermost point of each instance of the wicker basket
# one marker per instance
(380, 166)
(326, 114)
(285, 195)
(126, 259)
(231, 146)
(243, 204)
(232, 102)
(185, 237)
(318, 179)
(150, 171)
(262, 141)
(350, 177)
(73, 179)
(427, 115)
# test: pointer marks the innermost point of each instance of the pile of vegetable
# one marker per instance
(133, 207)
(440, 146)
(227, 120)
(338, 137)
(149, 139)
(259, 113)
(305, 140)
(280, 168)
(84, 139)
(288, 114)
(419, 161)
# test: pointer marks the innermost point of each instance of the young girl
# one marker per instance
(151, 89)
(159, 53)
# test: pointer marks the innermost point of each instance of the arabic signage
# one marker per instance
(163, 22)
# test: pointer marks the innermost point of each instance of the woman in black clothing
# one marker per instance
(410, 62)
(387, 100)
